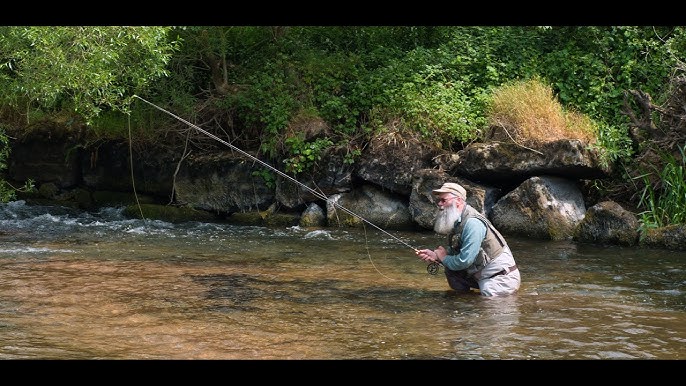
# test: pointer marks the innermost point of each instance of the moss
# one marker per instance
(109, 198)
(282, 219)
(559, 230)
(247, 218)
(670, 237)
(168, 213)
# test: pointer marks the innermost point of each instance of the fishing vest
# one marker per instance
(491, 247)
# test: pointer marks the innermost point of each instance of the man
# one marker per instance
(477, 255)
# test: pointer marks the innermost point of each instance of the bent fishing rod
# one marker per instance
(432, 268)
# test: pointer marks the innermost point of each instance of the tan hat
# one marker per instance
(451, 187)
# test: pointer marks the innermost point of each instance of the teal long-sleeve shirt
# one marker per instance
(473, 234)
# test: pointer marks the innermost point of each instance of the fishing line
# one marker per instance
(133, 180)
(314, 192)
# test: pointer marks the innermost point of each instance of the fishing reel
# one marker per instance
(433, 267)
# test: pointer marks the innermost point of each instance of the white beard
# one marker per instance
(445, 220)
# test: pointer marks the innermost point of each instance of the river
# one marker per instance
(96, 285)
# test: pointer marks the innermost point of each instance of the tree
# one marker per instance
(80, 69)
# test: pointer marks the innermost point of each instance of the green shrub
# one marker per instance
(665, 204)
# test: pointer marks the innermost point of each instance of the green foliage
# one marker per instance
(614, 143)
(337, 93)
(667, 205)
(267, 175)
(440, 110)
(80, 69)
(351, 156)
(304, 154)
(267, 103)
(434, 80)
(591, 67)
(253, 81)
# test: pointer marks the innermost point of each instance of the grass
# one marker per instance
(665, 203)
(529, 113)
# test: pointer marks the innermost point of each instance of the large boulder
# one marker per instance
(369, 204)
(608, 222)
(391, 160)
(543, 207)
(45, 160)
(221, 183)
(107, 166)
(508, 164)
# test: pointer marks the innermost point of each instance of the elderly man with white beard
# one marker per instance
(477, 257)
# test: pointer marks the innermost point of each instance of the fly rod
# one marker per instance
(279, 172)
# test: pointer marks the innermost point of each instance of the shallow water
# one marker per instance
(78, 285)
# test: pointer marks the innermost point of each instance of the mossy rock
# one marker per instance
(265, 218)
(168, 213)
(110, 198)
(671, 237)
(247, 218)
(282, 219)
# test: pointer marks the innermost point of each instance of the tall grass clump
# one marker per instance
(665, 203)
(528, 112)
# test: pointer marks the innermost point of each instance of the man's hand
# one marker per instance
(429, 255)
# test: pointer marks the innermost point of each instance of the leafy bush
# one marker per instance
(304, 154)
(82, 69)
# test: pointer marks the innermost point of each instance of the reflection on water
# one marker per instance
(98, 286)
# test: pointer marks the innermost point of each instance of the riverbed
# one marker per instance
(96, 285)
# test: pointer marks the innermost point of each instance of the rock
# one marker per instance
(334, 177)
(381, 208)
(167, 213)
(543, 207)
(671, 237)
(423, 206)
(313, 216)
(608, 223)
(508, 164)
(391, 160)
(528, 192)
(221, 182)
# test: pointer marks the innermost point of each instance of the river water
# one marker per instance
(95, 285)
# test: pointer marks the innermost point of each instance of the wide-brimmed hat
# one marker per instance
(451, 187)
